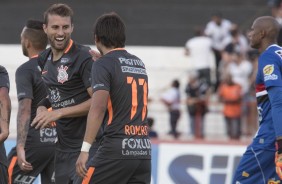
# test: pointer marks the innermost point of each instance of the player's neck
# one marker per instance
(33, 53)
(105, 50)
(57, 54)
(266, 45)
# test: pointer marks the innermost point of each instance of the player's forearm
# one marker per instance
(94, 121)
(5, 112)
(75, 111)
(99, 102)
(23, 121)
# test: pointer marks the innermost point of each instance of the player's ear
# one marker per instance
(45, 28)
(96, 39)
(27, 43)
(262, 33)
(72, 26)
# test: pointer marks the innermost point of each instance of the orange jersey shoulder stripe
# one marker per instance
(69, 46)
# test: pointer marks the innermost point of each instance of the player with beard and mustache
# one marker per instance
(66, 74)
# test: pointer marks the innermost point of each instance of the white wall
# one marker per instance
(163, 65)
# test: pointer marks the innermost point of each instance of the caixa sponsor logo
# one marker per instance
(186, 169)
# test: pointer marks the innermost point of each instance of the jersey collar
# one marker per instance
(34, 56)
(116, 49)
(272, 46)
(69, 46)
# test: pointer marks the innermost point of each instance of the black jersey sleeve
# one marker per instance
(4, 78)
(24, 83)
(100, 76)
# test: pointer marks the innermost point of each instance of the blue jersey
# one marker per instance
(268, 75)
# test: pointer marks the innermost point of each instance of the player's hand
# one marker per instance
(95, 54)
(44, 118)
(41, 109)
(23, 164)
(278, 163)
(80, 164)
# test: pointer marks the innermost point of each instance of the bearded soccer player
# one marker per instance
(66, 74)
(5, 112)
(120, 85)
(35, 150)
(262, 161)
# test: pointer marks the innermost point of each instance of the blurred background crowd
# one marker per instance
(222, 75)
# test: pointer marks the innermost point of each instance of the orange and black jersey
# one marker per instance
(4, 82)
(124, 76)
(30, 85)
(67, 81)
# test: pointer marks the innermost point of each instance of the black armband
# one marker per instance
(44, 102)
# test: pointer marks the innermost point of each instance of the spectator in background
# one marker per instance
(241, 70)
(152, 132)
(237, 40)
(274, 6)
(197, 97)
(171, 98)
(199, 50)
(276, 11)
(218, 29)
(230, 95)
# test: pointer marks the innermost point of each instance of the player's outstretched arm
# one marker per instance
(44, 118)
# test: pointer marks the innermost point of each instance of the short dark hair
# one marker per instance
(62, 10)
(175, 83)
(35, 33)
(110, 30)
(34, 24)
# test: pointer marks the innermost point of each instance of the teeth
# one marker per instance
(60, 39)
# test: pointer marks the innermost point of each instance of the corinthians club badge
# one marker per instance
(62, 74)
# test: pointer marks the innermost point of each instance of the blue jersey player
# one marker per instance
(258, 162)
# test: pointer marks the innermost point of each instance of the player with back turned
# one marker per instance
(120, 85)
(5, 112)
(264, 155)
(35, 149)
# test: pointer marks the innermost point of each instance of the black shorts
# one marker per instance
(42, 161)
(65, 171)
(3, 173)
(102, 171)
(65, 166)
